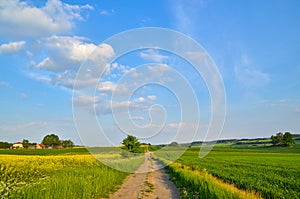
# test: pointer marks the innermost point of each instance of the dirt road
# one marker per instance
(148, 183)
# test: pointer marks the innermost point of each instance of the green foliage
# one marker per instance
(281, 139)
(154, 147)
(51, 140)
(132, 144)
(67, 144)
(288, 139)
(25, 144)
(174, 144)
(4, 145)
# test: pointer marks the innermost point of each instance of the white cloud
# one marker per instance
(196, 55)
(158, 70)
(111, 87)
(23, 95)
(39, 77)
(23, 127)
(106, 107)
(140, 100)
(106, 86)
(11, 47)
(133, 72)
(19, 19)
(64, 56)
(153, 55)
(137, 118)
(107, 12)
(250, 76)
(282, 102)
(85, 100)
(65, 52)
(4, 84)
(116, 69)
(152, 97)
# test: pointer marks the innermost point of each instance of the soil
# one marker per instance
(149, 182)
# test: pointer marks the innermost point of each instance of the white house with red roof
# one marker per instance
(17, 145)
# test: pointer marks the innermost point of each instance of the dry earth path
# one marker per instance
(149, 182)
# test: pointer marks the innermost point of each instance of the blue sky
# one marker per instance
(254, 44)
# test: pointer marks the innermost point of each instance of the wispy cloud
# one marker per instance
(5, 84)
(23, 127)
(282, 102)
(153, 55)
(249, 75)
(11, 47)
(107, 12)
(186, 12)
(23, 95)
(137, 118)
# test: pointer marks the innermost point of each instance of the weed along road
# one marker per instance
(147, 182)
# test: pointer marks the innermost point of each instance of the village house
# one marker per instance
(40, 146)
(17, 145)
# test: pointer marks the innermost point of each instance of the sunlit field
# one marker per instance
(59, 176)
(248, 172)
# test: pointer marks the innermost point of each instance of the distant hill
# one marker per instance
(253, 141)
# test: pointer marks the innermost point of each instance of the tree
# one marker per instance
(67, 144)
(174, 144)
(51, 140)
(25, 144)
(4, 145)
(274, 140)
(132, 144)
(281, 139)
(288, 139)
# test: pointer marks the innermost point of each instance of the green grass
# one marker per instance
(199, 184)
(87, 182)
(273, 172)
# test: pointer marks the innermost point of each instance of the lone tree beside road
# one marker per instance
(280, 139)
(132, 144)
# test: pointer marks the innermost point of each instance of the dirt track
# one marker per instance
(148, 182)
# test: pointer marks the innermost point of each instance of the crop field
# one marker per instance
(59, 176)
(226, 172)
(263, 172)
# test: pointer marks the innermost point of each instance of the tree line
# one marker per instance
(51, 140)
(280, 139)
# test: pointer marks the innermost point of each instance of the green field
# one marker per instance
(60, 174)
(228, 171)
(270, 172)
